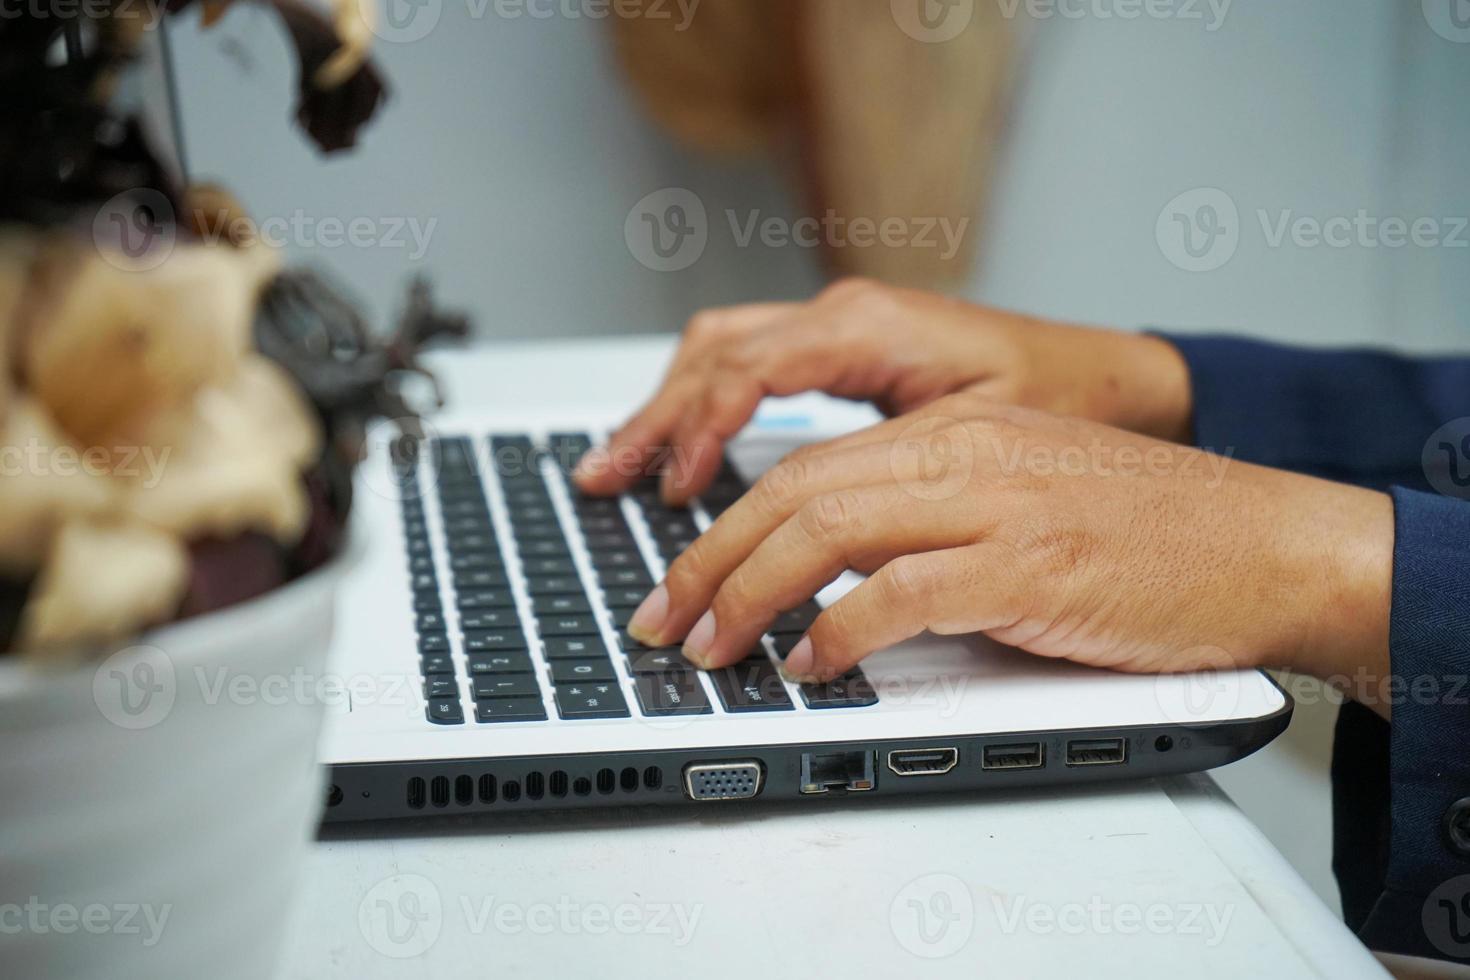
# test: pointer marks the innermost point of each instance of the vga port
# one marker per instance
(739, 780)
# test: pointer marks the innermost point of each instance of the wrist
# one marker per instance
(1347, 572)
(1131, 381)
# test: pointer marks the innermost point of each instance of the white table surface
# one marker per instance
(1152, 878)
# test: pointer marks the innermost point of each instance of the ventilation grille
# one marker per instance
(465, 789)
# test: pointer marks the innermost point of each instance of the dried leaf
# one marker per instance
(103, 580)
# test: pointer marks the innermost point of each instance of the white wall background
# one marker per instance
(516, 136)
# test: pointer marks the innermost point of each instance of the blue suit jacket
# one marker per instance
(1401, 792)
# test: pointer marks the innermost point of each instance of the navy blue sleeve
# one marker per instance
(1358, 416)
(1401, 790)
(1424, 905)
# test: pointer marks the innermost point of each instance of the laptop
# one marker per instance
(484, 655)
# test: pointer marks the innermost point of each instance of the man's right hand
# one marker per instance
(898, 348)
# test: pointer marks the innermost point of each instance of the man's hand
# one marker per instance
(898, 348)
(1062, 537)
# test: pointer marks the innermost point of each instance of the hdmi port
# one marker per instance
(1021, 755)
(1097, 752)
(923, 762)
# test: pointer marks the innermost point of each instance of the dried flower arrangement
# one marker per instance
(179, 426)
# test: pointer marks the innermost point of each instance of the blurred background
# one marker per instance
(1292, 171)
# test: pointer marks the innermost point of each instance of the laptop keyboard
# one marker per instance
(522, 624)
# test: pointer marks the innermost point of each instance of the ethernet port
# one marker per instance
(851, 772)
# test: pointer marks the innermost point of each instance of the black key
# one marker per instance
(501, 662)
(674, 527)
(625, 597)
(509, 709)
(785, 642)
(535, 514)
(486, 599)
(483, 578)
(678, 693)
(567, 671)
(664, 660)
(557, 605)
(582, 625)
(417, 547)
(472, 541)
(543, 548)
(415, 529)
(441, 686)
(616, 578)
(425, 602)
(536, 567)
(424, 583)
(489, 619)
(538, 531)
(579, 701)
(433, 643)
(466, 508)
(477, 561)
(445, 711)
(851, 690)
(467, 525)
(506, 686)
(622, 615)
(567, 448)
(439, 663)
(596, 507)
(797, 620)
(610, 524)
(627, 641)
(575, 648)
(485, 641)
(671, 549)
(604, 560)
(421, 564)
(610, 541)
(751, 686)
(429, 622)
(530, 496)
(551, 585)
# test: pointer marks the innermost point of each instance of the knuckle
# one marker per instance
(704, 326)
(1054, 551)
(851, 286)
(830, 515)
(689, 574)
(782, 485)
(904, 581)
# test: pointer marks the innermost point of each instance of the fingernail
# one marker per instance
(650, 616)
(701, 638)
(798, 665)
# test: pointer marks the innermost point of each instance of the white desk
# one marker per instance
(1156, 878)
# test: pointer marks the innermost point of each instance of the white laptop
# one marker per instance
(481, 645)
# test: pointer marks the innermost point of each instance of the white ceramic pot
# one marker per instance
(155, 807)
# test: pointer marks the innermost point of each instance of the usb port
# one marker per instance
(1097, 752)
(1018, 755)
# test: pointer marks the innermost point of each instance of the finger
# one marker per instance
(970, 589)
(813, 349)
(615, 467)
(695, 575)
(851, 529)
